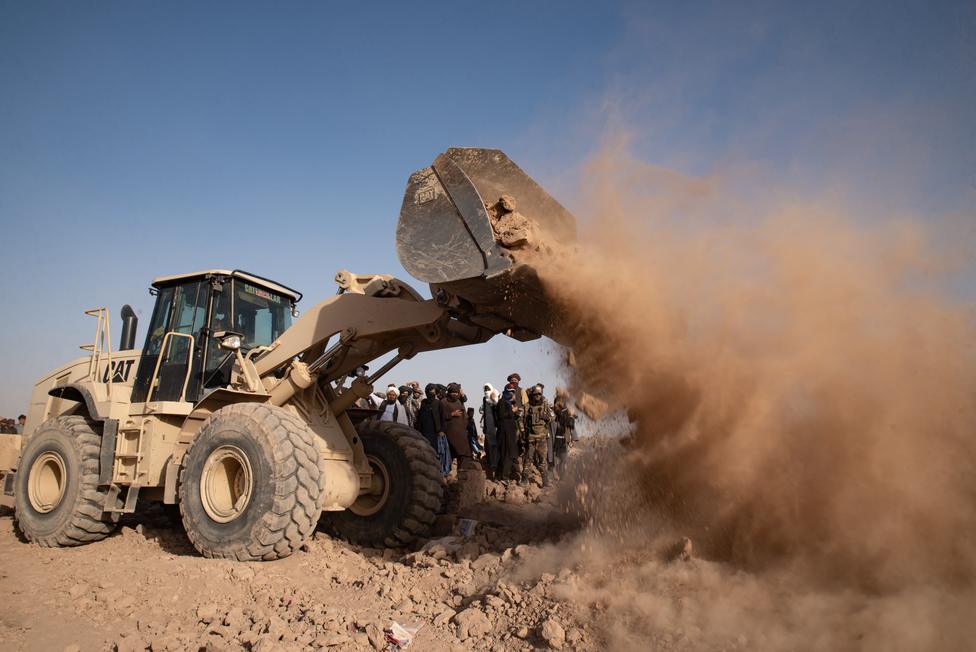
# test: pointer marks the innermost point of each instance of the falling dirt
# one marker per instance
(804, 388)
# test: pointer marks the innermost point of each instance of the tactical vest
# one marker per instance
(538, 428)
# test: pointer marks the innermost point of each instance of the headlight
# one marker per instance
(230, 342)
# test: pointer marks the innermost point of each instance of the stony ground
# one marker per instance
(147, 588)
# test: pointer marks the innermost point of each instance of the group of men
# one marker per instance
(522, 431)
(11, 427)
(439, 414)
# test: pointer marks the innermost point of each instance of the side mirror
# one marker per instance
(229, 340)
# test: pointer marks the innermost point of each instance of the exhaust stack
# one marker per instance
(127, 341)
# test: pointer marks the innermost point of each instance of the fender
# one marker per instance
(79, 393)
(110, 427)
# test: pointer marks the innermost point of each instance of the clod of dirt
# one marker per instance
(591, 406)
(512, 229)
(376, 636)
(472, 622)
(680, 550)
(553, 633)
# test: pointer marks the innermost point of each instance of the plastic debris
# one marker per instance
(400, 635)
(466, 527)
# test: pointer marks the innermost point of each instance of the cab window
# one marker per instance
(260, 314)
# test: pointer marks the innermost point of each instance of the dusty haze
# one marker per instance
(804, 386)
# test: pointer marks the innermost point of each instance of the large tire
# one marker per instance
(56, 494)
(406, 499)
(250, 484)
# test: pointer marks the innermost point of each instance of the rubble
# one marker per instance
(461, 588)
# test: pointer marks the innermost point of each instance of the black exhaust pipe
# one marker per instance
(129, 322)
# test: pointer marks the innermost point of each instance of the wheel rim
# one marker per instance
(369, 503)
(226, 484)
(46, 482)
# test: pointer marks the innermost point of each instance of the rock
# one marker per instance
(361, 639)
(207, 613)
(333, 639)
(574, 636)
(444, 615)
(495, 602)
(553, 633)
(469, 550)
(442, 547)
(375, 635)
(486, 561)
(130, 644)
(523, 632)
(265, 643)
(236, 618)
(472, 623)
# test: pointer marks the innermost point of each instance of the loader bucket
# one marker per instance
(473, 225)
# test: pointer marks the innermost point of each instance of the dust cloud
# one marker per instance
(803, 383)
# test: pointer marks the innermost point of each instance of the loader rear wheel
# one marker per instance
(250, 484)
(56, 494)
(405, 494)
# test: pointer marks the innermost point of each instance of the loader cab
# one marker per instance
(181, 360)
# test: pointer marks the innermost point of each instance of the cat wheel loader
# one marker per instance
(236, 410)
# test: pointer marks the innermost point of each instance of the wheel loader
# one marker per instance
(240, 413)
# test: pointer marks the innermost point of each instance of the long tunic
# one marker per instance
(507, 436)
(456, 428)
(393, 411)
(488, 425)
(430, 420)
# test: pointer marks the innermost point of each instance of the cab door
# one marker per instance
(169, 369)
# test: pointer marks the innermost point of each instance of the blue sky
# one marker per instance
(143, 139)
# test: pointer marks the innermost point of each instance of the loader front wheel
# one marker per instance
(250, 484)
(56, 494)
(405, 493)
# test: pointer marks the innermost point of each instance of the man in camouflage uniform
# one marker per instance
(538, 417)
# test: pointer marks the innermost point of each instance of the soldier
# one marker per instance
(538, 417)
(518, 398)
(564, 433)
(416, 398)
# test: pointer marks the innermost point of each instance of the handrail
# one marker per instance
(162, 350)
(101, 346)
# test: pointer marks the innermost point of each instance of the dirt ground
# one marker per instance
(578, 567)
(146, 588)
